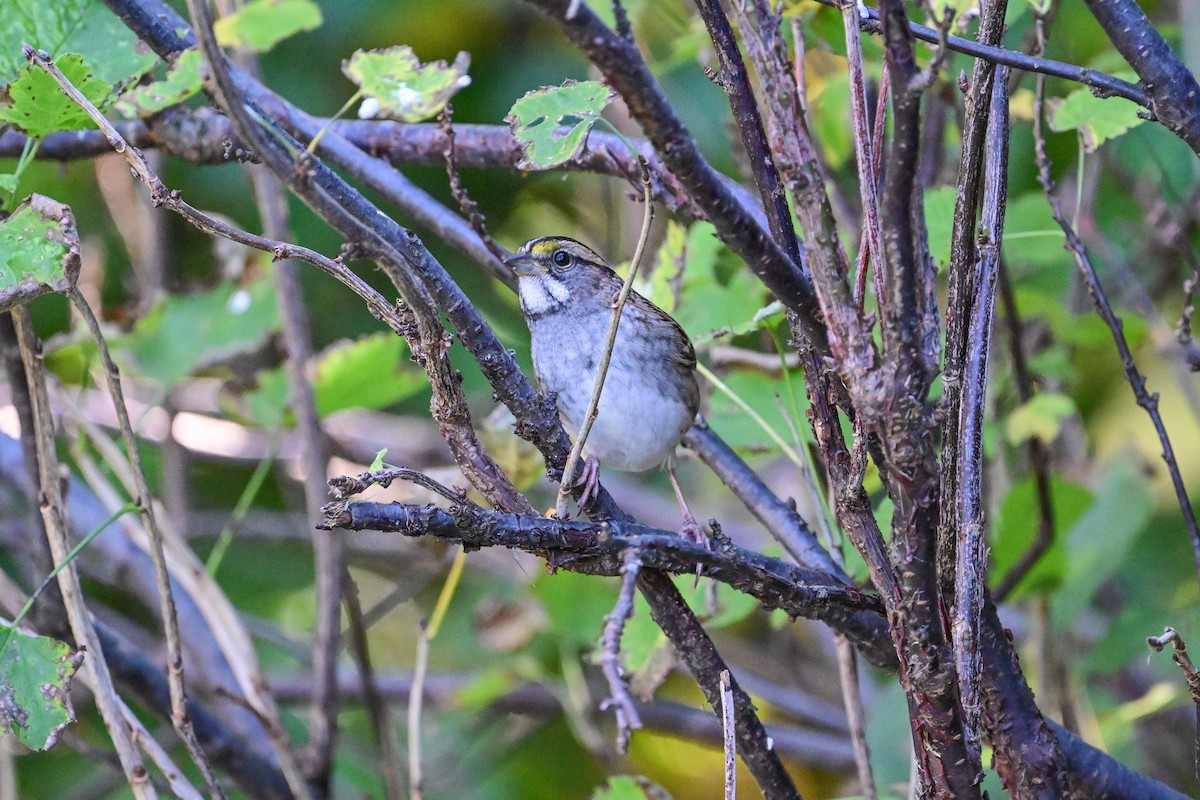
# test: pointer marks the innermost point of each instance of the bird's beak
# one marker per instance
(523, 264)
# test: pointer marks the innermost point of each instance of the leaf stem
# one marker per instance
(354, 98)
(74, 551)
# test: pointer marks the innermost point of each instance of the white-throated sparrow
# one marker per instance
(650, 395)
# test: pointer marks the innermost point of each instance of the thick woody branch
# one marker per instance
(623, 68)
(670, 611)
(596, 549)
(970, 566)
(1173, 90)
(736, 82)
(963, 274)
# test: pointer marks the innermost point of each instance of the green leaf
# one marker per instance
(261, 24)
(1016, 526)
(630, 787)
(717, 293)
(372, 372)
(267, 403)
(1099, 540)
(39, 251)
(662, 286)
(86, 27)
(184, 79)
(552, 123)
(1097, 119)
(939, 216)
(35, 687)
(187, 332)
(39, 107)
(1040, 418)
(8, 182)
(398, 86)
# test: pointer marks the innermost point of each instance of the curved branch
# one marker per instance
(595, 549)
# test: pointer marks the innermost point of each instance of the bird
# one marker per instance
(651, 393)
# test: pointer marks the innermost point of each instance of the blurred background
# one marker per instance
(512, 694)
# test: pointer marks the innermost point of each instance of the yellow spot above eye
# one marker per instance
(544, 247)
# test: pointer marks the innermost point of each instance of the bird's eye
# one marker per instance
(561, 258)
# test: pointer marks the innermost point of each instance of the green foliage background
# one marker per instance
(1119, 571)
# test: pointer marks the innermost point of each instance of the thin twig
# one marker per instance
(1179, 655)
(728, 730)
(179, 715)
(50, 503)
(415, 702)
(377, 710)
(468, 207)
(628, 719)
(618, 306)
(864, 147)
(1137, 381)
(1104, 85)
(345, 486)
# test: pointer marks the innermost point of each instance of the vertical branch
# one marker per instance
(863, 154)
(328, 558)
(963, 275)
(1137, 381)
(50, 503)
(619, 699)
(162, 575)
(971, 555)
(736, 82)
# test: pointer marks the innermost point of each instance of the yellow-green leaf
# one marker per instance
(1097, 119)
(261, 24)
(398, 86)
(184, 79)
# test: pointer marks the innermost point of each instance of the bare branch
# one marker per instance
(628, 719)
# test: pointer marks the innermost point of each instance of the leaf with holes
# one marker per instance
(35, 687)
(261, 24)
(39, 251)
(552, 123)
(40, 108)
(184, 79)
(398, 86)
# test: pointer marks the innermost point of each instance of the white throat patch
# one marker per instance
(542, 294)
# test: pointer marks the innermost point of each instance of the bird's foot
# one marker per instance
(590, 480)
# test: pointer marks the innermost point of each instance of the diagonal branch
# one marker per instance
(1174, 92)
(623, 68)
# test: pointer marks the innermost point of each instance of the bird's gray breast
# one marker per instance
(647, 402)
